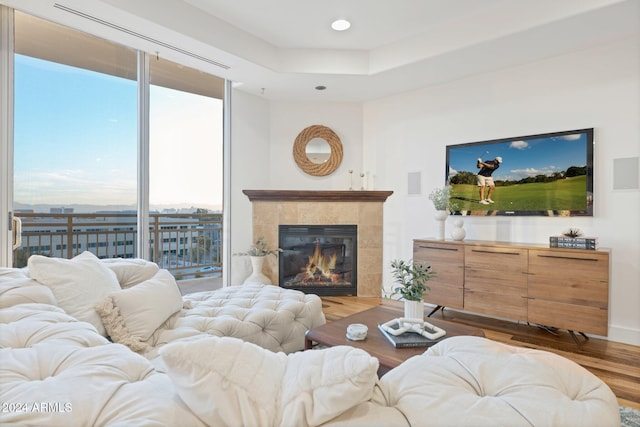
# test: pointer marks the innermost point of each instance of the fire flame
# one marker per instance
(322, 266)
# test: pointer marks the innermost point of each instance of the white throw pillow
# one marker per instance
(132, 315)
(131, 271)
(226, 381)
(78, 283)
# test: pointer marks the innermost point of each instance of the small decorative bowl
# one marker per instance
(357, 331)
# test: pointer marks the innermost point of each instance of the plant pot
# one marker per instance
(414, 310)
(257, 262)
(441, 217)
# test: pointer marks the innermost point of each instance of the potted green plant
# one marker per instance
(411, 279)
(257, 252)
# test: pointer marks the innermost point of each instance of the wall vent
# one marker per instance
(140, 36)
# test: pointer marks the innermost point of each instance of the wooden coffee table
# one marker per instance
(334, 333)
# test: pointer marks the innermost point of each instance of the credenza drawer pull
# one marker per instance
(568, 257)
(494, 253)
(438, 248)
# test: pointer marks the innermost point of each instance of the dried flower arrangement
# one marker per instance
(573, 232)
(260, 249)
(441, 198)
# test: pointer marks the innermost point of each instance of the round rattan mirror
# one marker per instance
(309, 162)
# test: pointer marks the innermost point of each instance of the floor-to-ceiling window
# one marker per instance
(75, 142)
(185, 168)
(76, 152)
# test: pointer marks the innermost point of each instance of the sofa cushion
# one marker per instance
(25, 325)
(131, 271)
(132, 315)
(226, 381)
(78, 284)
(486, 383)
(16, 287)
(57, 371)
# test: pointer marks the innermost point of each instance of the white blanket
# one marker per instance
(57, 371)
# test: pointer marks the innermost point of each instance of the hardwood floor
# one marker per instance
(616, 364)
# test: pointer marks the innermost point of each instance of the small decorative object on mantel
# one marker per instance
(573, 239)
(257, 252)
(458, 233)
(441, 198)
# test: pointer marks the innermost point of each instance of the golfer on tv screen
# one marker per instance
(485, 179)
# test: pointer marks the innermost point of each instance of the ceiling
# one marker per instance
(305, 25)
(283, 49)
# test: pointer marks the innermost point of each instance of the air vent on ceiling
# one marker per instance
(141, 36)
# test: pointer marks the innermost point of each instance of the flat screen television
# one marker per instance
(548, 174)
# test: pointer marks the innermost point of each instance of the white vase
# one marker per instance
(257, 262)
(457, 232)
(414, 310)
(441, 217)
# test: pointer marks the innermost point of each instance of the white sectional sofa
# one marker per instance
(230, 358)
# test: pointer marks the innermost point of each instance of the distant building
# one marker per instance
(176, 242)
(61, 210)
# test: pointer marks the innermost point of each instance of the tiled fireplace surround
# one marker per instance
(362, 208)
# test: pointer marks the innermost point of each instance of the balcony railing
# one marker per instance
(188, 245)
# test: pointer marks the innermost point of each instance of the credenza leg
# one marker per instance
(438, 307)
(575, 338)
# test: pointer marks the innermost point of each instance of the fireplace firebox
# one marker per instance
(318, 259)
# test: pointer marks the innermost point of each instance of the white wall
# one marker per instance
(250, 169)
(262, 157)
(595, 88)
(390, 137)
(288, 119)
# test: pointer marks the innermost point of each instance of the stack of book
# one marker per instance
(590, 243)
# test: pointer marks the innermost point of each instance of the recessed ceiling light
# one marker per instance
(341, 25)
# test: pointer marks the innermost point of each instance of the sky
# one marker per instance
(522, 158)
(75, 139)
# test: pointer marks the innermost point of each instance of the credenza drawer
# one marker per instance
(567, 266)
(498, 260)
(447, 262)
(568, 316)
(510, 306)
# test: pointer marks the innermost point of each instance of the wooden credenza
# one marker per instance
(562, 288)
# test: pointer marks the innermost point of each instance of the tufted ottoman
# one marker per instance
(269, 316)
(474, 381)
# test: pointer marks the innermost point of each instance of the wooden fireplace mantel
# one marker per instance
(317, 196)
